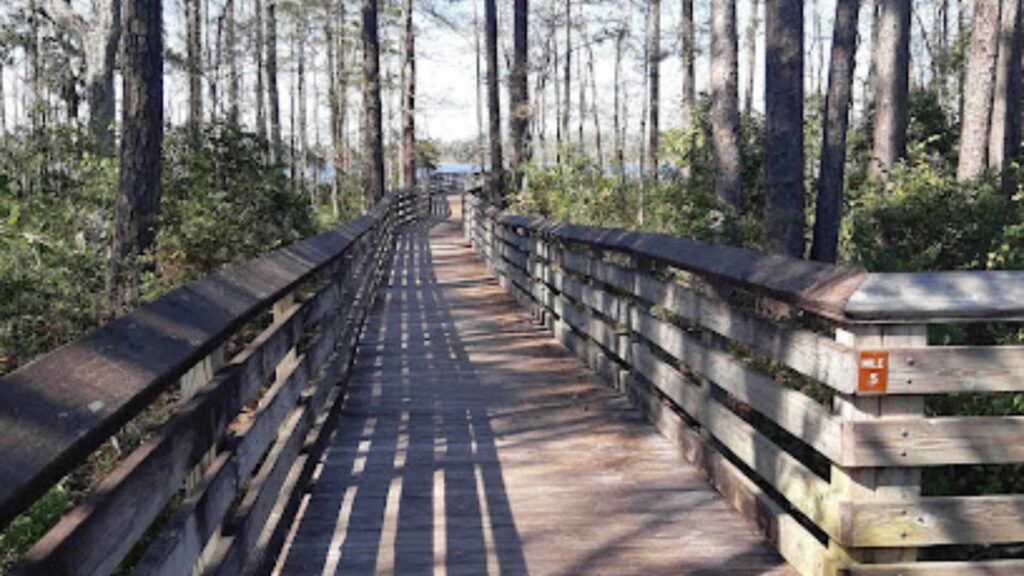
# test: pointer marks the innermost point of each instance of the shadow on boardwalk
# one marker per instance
(471, 444)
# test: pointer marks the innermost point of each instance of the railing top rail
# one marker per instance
(57, 409)
(841, 293)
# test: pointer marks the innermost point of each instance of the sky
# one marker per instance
(446, 62)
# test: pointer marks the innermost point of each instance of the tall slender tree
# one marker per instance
(654, 84)
(689, 53)
(567, 66)
(496, 181)
(891, 63)
(979, 89)
(274, 95)
(784, 127)
(519, 96)
(828, 209)
(138, 200)
(725, 114)
(620, 143)
(408, 97)
(1005, 135)
(231, 52)
(752, 28)
(194, 57)
(261, 110)
(373, 137)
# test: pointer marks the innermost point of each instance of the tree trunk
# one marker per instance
(409, 99)
(567, 64)
(979, 90)
(261, 111)
(1004, 140)
(748, 91)
(519, 95)
(194, 63)
(138, 200)
(654, 70)
(274, 96)
(828, 211)
(689, 51)
(784, 128)
(232, 60)
(103, 38)
(481, 148)
(892, 84)
(3, 101)
(496, 181)
(593, 107)
(620, 148)
(300, 81)
(725, 115)
(373, 145)
(581, 87)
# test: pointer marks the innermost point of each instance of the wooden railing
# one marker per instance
(214, 488)
(801, 389)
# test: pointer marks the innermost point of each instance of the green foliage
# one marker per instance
(32, 525)
(924, 219)
(223, 202)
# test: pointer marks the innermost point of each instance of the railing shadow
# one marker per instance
(412, 481)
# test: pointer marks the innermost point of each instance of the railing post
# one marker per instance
(860, 484)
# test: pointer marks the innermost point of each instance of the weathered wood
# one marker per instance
(860, 484)
(466, 434)
(807, 352)
(901, 442)
(977, 568)
(791, 410)
(930, 521)
(938, 296)
(956, 369)
(56, 410)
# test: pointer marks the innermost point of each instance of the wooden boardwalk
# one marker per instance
(472, 443)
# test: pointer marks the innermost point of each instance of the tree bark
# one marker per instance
(979, 90)
(194, 62)
(1004, 140)
(409, 99)
(496, 181)
(261, 111)
(373, 145)
(300, 80)
(138, 200)
(567, 64)
(654, 71)
(103, 40)
(481, 148)
(3, 99)
(689, 51)
(591, 72)
(892, 85)
(519, 95)
(748, 91)
(620, 148)
(274, 96)
(828, 211)
(784, 128)
(232, 60)
(725, 116)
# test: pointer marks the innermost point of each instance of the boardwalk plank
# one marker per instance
(472, 443)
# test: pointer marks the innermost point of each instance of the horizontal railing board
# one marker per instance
(955, 369)
(94, 537)
(793, 411)
(817, 287)
(976, 295)
(975, 568)
(939, 441)
(931, 521)
(59, 408)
